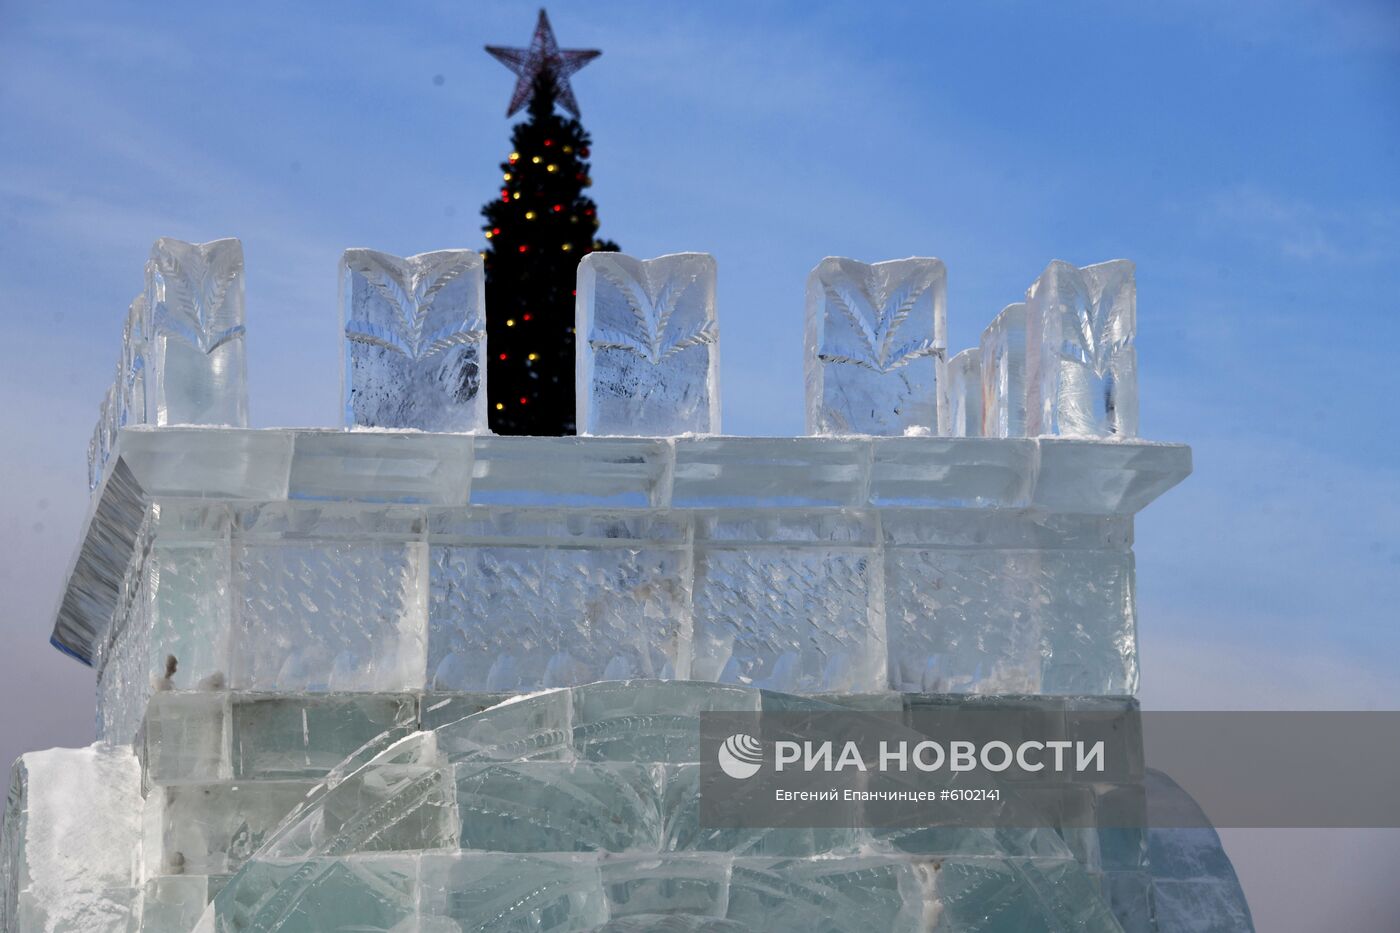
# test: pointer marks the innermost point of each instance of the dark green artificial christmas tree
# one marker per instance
(539, 226)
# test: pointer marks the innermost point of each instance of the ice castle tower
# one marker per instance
(406, 675)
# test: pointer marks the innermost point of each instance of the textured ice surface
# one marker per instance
(1009, 602)
(1050, 895)
(380, 467)
(538, 727)
(336, 592)
(1003, 352)
(366, 895)
(131, 375)
(513, 893)
(575, 809)
(329, 598)
(1086, 477)
(649, 720)
(522, 600)
(403, 799)
(415, 340)
(876, 336)
(792, 604)
(204, 464)
(1194, 886)
(307, 736)
(1081, 372)
(754, 472)
(569, 471)
(196, 373)
(210, 829)
(559, 806)
(648, 353)
(171, 903)
(171, 627)
(965, 395)
(643, 887)
(948, 473)
(72, 840)
(837, 894)
(185, 739)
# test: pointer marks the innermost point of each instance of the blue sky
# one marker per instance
(1248, 158)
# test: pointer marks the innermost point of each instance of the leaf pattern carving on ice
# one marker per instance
(416, 315)
(197, 291)
(656, 323)
(875, 302)
(1096, 307)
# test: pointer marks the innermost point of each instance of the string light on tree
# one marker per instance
(535, 241)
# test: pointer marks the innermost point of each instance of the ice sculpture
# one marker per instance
(72, 832)
(132, 373)
(196, 372)
(587, 819)
(965, 394)
(1081, 368)
(647, 345)
(323, 645)
(789, 603)
(875, 341)
(415, 340)
(1003, 351)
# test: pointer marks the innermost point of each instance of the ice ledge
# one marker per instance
(1060, 475)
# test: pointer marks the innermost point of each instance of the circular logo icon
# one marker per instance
(740, 756)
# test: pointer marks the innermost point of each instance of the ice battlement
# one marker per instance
(875, 346)
(961, 527)
(326, 658)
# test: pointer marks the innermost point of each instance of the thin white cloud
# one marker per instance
(1305, 230)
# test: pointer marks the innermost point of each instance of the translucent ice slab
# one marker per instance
(604, 838)
(1081, 371)
(875, 345)
(570, 471)
(1003, 351)
(329, 598)
(211, 829)
(197, 373)
(72, 840)
(952, 472)
(965, 395)
(752, 472)
(415, 340)
(307, 736)
(648, 347)
(787, 603)
(997, 602)
(319, 561)
(1194, 886)
(522, 600)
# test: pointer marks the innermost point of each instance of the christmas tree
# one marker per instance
(539, 226)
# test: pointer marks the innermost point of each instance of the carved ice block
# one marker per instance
(648, 353)
(791, 603)
(132, 375)
(1004, 373)
(195, 368)
(1004, 601)
(329, 598)
(525, 599)
(1081, 371)
(965, 394)
(876, 339)
(415, 340)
